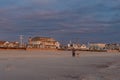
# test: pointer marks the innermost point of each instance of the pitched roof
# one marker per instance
(2, 42)
(42, 39)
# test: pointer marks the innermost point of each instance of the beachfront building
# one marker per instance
(6, 44)
(77, 46)
(83, 47)
(113, 46)
(13, 44)
(73, 45)
(2, 43)
(97, 46)
(43, 42)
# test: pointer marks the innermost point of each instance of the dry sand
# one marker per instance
(58, 65)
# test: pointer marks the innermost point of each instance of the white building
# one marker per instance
(83, 47)
(43, 42)
(97, 46)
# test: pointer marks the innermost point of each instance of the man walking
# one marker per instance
(73, 52)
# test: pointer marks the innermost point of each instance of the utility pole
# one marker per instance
(21, 40)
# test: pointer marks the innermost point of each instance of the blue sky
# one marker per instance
(75, 20)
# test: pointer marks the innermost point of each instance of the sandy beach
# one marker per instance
(58, 65)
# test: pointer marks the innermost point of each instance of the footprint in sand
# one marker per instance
(9, 67)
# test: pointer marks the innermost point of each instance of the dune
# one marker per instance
(59, 65)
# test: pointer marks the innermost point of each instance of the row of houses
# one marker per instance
(50, 43)
(35, 42)
(94, 46)
(5, 44)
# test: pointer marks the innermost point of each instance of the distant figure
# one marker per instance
(73, 52)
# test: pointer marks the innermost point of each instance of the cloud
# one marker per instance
(43, 1)
(60, 18)
(57, 22)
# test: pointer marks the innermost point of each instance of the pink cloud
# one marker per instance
(42, 2)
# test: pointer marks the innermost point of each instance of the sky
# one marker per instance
(65, 20)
